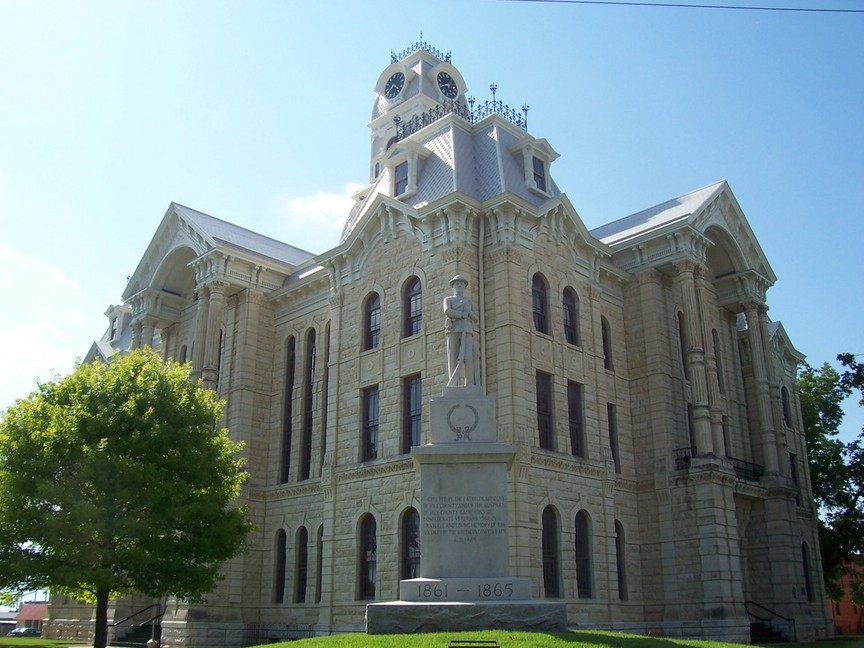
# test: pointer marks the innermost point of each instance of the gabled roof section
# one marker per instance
(225, 233)
(660, 216)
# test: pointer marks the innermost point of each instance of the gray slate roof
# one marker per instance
(243, 239)
(656, 217)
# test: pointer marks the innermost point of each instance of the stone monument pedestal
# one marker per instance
(465, 581)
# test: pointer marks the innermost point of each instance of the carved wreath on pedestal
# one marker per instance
(462, 431)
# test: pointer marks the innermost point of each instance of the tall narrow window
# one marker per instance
(718, 360)
(302, 566)
(551, 586)
(181, 358)
(411, 544)
(544, 410)
(412, 394)
(539, 304)
(612, 419)
(325, 396)
(539, 173)
(583, 555)
(287, 411)
(793, 472)
(368, 558)
(682, 345)
(576, 419)
(319, 566)
(113, 328)
(570, 303)
(412, 308)
(805, 563)
(372, 322)
(606, 334)
(280, 567)
(370, 423)
(400, 179)
(619, 560)
(787, 411)
(219, 357)
(308, 406)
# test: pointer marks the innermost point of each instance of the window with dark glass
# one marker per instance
(302, 566)
(412, 308)
(411, 544)
(308, 406)
(319, 567)
(612, 418)
(368, 558)
(606, 334)
(400, 179)
(287, 411)
(544, 410)
(576, 419)
(113, 328)
(325, 394)
(583, 555)
(682, 346)
(805, 563)
(570, 303)
(372, 322)
(539, 304)
(718, 359)
(281, 565)
(539, 173)
(412, 391)
(619, 560)
(370, 423)
(551, 585)
(787, 411)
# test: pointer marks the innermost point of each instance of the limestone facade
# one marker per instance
(660, 479)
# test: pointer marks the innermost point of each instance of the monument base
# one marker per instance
(406, 617)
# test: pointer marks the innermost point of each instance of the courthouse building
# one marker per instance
(660, 481)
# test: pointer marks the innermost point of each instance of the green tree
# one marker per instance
(836, 468)
(112, 480)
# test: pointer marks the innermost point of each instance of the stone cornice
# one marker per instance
(374, 468)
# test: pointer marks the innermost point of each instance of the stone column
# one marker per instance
(214, 326)
(199, 344)
(712, 378)
(763, 394)
(695, 358)
(136, 334)
(165, 334)
(147, 328)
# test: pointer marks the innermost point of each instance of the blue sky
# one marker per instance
(256, 112)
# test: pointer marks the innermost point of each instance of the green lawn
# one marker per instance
(28, 642)
(515, 639)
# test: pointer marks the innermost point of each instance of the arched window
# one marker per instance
(570, 303)
(308, 406)
(606, 334)
(551, 585)
(181, 357)
(372, 322)
(368, 557)
(539, 304)
(412, 308)
(280, 567)
(301, 568)
(287, 411)
(411, 544)
(612, 421)
(583, 555)
(619, 560)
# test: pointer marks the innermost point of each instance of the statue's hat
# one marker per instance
(458, 278)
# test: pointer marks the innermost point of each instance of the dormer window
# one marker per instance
(400, 179)
(113, 328)
(539, 174)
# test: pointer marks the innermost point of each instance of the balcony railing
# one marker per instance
(746, 470)
(683, 456)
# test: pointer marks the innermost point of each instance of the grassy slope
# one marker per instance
(514, 639)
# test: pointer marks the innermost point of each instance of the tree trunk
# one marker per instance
(100, 631)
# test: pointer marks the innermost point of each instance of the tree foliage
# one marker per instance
(113, 479)
(836, 468)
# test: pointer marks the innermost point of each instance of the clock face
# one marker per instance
(394, 85)
(447, 85)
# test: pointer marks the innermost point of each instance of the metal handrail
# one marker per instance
(790, 620)
(682, 457)
(747, 470)
(136, 613)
